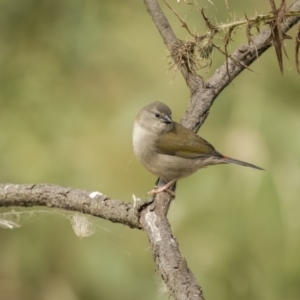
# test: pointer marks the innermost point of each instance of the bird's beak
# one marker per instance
(167, 119)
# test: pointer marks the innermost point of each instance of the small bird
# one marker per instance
(171, 151)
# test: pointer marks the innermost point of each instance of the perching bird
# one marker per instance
(169, 150)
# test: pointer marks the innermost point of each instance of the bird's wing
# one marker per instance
(182, 142)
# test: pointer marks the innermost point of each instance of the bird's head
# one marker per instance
(155, 117)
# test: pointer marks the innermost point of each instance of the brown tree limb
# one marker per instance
(172, 266)
(92, 203)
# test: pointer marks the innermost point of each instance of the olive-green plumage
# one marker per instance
(190, 145)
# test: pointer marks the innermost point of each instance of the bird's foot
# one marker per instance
(160, 189)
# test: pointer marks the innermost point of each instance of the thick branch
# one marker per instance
(172, 266)
(92, 203)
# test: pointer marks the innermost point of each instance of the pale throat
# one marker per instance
(138, 133)
(143, 142)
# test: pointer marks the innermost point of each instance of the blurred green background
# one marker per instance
(73, 76)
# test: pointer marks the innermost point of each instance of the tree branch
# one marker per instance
(161, 22)
(203, 93)
(172, 266)
(246, 55)
(92, 203)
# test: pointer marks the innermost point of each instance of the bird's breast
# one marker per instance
(143, 143)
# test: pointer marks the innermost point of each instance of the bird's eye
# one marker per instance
(157, 115)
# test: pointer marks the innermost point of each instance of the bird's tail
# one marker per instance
(230, 160)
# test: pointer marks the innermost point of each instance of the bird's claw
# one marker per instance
(160, 189)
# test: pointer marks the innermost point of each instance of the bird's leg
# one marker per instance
(164, 188)
(157, 181)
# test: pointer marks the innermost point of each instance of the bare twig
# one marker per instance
(277, 35)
